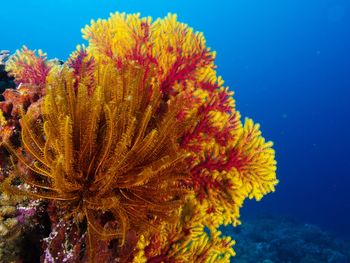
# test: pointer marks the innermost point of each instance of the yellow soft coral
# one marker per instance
(29, 66)
(129, 61)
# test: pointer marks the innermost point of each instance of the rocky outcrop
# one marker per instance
(283, 240)
(5, 80)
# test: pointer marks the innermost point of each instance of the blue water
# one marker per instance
(288, 62)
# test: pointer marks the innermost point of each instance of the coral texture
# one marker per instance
(133, 147)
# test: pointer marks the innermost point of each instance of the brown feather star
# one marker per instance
(105, 151)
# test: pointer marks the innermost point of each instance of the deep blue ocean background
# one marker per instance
(288, 62)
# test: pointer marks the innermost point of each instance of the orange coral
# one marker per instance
(137, 130)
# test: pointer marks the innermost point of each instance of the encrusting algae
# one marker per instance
(133, 146)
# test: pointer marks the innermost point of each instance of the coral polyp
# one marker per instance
(134, 147)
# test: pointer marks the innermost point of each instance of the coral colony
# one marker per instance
(131, 151)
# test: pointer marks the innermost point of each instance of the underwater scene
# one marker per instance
(175, 131)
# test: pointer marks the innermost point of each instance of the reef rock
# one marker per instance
(282, 240)
(5, 80)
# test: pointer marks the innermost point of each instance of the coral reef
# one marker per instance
(283, 240)
(19, 216)
(132, 150)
